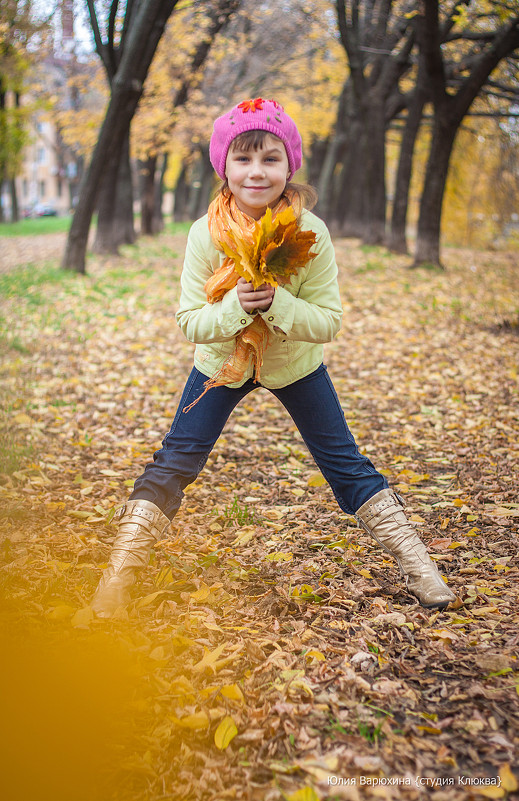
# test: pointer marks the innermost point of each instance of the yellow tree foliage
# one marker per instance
(482, 186)
(261, 53)
(79, 122)
(157, 116)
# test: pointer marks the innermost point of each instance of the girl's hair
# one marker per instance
(253, 140)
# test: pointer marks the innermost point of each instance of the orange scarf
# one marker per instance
(228, 223)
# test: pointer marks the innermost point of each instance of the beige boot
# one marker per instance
(141, 524)
(383, 517)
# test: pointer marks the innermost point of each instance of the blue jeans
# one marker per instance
(315, 409)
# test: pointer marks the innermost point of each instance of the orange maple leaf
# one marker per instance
(278, 249)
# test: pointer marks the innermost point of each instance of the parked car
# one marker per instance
(40, 210)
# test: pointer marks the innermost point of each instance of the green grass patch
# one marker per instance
(378, 250)
(8, 340)
(429, 266)
(36, 225)
(177, 227)
(56, 225)
(13, 453)
(371, 266)
(25, 281)
(240, 513)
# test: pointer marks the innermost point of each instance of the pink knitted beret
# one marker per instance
(254, 115)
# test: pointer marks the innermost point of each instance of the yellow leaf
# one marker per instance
(296, 686)
(182, 688)
(209, 659)
(365, 573)
(482, 611)
(211, 626)
(316, 480)
(430, 729)
(148, 599)
(491, 791)
(210, 689)
(233, 692)
(508, 779)
(416, 478)
(82, 618)
(279, 247)
(443, 634)
(23, 419)
(199, 720)
(225, 732)
(304, 794)
(317, 655)
(283, 767)
(61, 612)
(201, 594)
(180, 641)
(279, 556)
(158, 653)
(244, 535)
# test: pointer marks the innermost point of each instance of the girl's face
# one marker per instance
(257, 178)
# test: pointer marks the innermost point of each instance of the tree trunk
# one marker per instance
(147, 170)
(123, 223)
(127, 87)
(326, 185)
(205, 181)
(449, 111)
(180, 203)
(315, 161)
(15, 216)
(358, 205)
(115, 203)
(151, 183)
(158, 215)
(429, 222)
(327, 182)
(348, 215)
(375, 166)
(397, 239)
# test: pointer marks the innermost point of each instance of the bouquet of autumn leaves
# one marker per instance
(273, 251)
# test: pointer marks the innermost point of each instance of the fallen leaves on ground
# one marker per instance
(271, 651)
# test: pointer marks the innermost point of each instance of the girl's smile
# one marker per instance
(257, 178)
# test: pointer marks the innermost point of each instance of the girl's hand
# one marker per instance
(250, 300)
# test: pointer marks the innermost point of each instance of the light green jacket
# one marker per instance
(305, 312)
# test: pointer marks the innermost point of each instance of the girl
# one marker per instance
(252, 332)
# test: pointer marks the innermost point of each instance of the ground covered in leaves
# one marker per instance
(271, 651)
